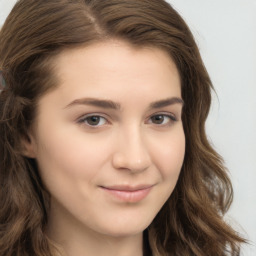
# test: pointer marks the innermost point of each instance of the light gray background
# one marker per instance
(225, 31)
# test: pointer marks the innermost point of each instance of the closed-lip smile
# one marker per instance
(127, 193)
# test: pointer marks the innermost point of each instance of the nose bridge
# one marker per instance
(132, 150)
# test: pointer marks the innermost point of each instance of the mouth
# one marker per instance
(129, 194)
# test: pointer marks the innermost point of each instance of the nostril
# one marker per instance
(133, 163)
(131, 151)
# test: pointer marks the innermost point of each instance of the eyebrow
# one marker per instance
(116, 106)
(166, 102)
(95, 102)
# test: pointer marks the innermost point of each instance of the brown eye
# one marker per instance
(93, 120)
(162, 119)
(159, 119)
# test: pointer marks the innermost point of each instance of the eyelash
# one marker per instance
(171, 118)
(84, 120)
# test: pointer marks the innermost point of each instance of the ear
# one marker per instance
(28, 146)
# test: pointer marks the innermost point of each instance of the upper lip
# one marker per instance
(128, 187)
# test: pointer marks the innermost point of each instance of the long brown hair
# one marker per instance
(191, 221)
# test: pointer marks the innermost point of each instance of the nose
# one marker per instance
(131, 152)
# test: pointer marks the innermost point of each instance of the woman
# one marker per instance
(103, 143)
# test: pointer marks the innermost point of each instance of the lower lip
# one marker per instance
(128, 196)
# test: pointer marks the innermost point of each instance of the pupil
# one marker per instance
(93, 120)
(158, 119)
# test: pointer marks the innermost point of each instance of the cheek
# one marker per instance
(169, 155)
(69, 157)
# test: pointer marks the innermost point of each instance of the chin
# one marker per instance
(125, 229)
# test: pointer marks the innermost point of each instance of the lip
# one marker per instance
(130, 194)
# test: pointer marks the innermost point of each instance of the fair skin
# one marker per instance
(110, 144)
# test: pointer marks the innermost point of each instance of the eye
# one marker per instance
(93, 120)
(162, 119)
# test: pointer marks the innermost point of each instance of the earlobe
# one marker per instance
(28, 148)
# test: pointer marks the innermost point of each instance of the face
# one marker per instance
(109, 139)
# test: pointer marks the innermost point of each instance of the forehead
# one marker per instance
(115, 69)
(113, 56)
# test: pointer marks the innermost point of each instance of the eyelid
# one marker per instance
(81, 120)
(173, 118)
(164, 113)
